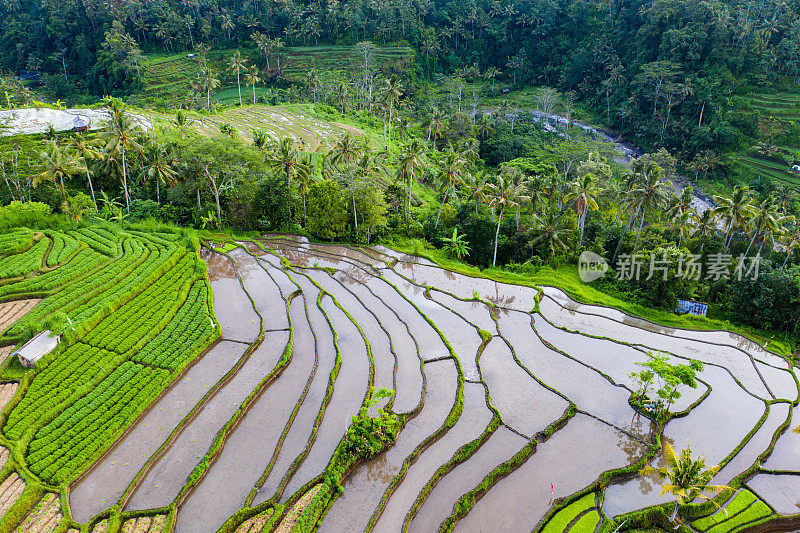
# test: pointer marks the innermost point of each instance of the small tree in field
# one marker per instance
(666, 378)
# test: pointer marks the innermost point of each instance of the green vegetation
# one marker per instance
(742, 501)
(136, 320)
(559, 522)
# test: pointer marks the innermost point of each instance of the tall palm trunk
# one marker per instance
(125, 179)
(497, 236)
(639, 233)
(91, 188)
(239, 85)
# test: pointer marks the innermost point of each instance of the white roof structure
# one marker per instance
(36, 348)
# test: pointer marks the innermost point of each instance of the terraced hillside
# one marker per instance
(133, 310)
(513, 403)
(166, 78)
(295, 122)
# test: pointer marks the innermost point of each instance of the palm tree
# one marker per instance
(434, 125)
(87, 150)
(345, 150)
(209, 82)
(552, 229)
(484, 127)
(478, 187)
(649, 195)
(227, 25)
(251, 79)
(506, 195)
(582, 197)
(304, 179)
(791, 240)
(159, 168)
(287, 160)
(57, 164)
(313, 82)
(688, 477)
(237, 64)
(277, 44)
(451, 169)
(734, 211)
(681, 225)
(260, 140)
(392, 91)
(765, 220)
(120, 135)
(411, 158)
(705, 226)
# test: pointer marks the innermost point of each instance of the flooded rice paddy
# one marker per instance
(530, 406)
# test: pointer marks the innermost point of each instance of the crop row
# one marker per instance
(189, 331)
(72, 440)
(83, 262)
(25, 262)
(136, 321)
(559, 522)
(63, 248)
(15, 242)
(159, 239)
(76, 294)
(742, 500)
(70, 375)
(104, 241)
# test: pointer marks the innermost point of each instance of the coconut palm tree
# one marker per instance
(120, 135)
(87, 150)
(208, 81)
(260, 140)
(411, 159)
(735, 211)
(392, 91)
(477, 188)
(506, 195)
(286, 159)
(791, 240)
(552, 229)
(582, 196)
(682, 225)
(345, 150)
(705, 226)
(484, 127)
(159, 168)
(649, 195)
(434, 125)
(451, 170)
(57, 164)
(688, 477)
(313, 83)
(236, 64)
(227, 25)
(303, 180)
(765, 220)
(251, 78)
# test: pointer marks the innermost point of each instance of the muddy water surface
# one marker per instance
(349, 391)
(250, 446)
(524, 404)
(365, 486)
(786, 453)
(232, 307)
(782, 492)
(473, 421)
(408, 375)
(263, 290)
(501, 446)
(106, 483)
(163, 483)
(570, 460)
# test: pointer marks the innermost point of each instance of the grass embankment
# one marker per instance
(566, 278)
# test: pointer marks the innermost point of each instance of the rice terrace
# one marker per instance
(277, 384)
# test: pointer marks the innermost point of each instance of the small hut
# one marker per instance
(32, 351)
(80, 125)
